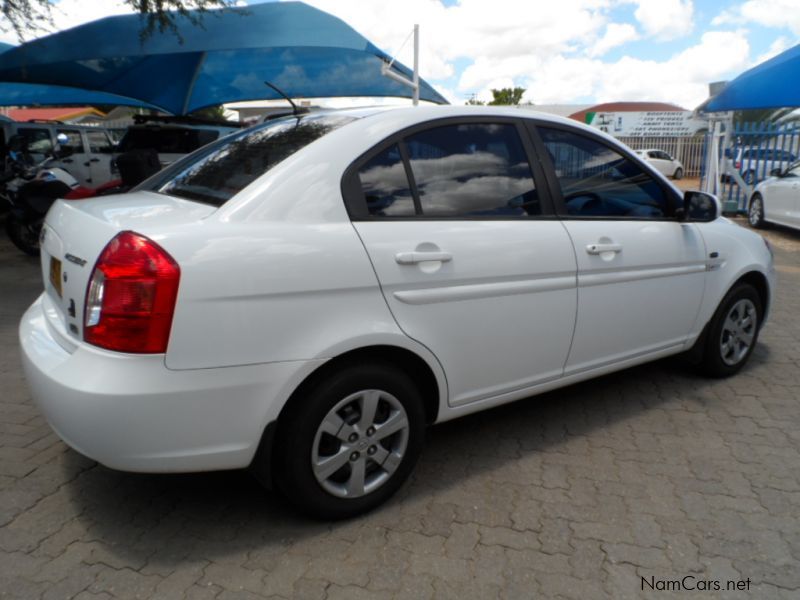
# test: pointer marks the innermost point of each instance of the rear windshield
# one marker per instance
(166, 140)
(217, 173)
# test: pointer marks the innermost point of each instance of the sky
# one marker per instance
(560, 51)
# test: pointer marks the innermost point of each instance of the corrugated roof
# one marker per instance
(52, 114)
(626, 107)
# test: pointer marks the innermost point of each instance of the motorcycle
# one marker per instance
(34, 188)
(30, 192)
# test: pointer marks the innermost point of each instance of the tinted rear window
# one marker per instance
(167, 140)
(218, 172)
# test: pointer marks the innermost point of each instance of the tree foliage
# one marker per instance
(507, 96)
(501, 97)
(31, 17)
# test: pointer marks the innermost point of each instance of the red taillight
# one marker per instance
(131, 296)
(737, 164)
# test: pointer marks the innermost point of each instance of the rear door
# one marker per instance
(470, 260)
(101, 151)
(640, 272)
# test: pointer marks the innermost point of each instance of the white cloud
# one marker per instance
(770, 13)
(616, 35)
(779, 45)
(683, 79)
(665, 19)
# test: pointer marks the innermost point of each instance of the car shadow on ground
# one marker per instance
(165, 520)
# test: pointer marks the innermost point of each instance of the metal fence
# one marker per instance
(690, 151)
(750, 154)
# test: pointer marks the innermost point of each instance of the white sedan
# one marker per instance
(663, 162)
(304, 297)
(777, 199)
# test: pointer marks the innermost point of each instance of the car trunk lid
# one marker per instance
(75, 233)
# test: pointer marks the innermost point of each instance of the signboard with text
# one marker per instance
(676, 123)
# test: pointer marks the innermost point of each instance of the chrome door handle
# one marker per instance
(413, 258)
(599, 248)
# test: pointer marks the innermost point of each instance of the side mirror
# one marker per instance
(776, 172)
(699, 207)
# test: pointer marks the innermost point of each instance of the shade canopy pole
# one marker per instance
(386, 70)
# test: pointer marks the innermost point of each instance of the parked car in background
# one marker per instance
(86, 155)
(777, 199)
(305, 296)
(755, 164)
(172, 137)
(662, 162)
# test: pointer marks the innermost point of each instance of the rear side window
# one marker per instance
(167, 140)
(99, 142)
(385, 185)
(218, 172)
(472, 170)
(598, 181)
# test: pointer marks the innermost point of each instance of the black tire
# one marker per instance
(297, 432)
(755, 212)
(678, 173)
(24, 236)
(713, 362)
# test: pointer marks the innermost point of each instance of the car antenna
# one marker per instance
(296, 110)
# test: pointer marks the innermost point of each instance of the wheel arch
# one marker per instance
(432, 389)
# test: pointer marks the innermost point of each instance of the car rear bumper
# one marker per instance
(130, 412)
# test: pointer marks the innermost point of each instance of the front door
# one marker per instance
(469, 260)
(75, 158)
(640, 272)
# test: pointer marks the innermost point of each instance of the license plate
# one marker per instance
(55, 274)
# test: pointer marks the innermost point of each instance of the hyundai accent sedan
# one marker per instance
(304, 297)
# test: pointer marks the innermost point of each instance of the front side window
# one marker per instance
(471, 170)
(219, 171)
(74, 143)
(598, 181)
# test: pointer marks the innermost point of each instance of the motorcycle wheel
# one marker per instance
(24, 236)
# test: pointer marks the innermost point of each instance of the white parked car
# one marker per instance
(305, 296)
(777, 199)
(662, 162)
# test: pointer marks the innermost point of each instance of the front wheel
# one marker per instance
(755, 214)
(678, 173)
(350, 441)
(733, 332)
(24, 236)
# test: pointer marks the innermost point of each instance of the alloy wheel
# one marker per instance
(754, 216)
(738, 332)
(360, 443)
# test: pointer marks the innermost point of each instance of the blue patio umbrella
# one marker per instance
(302, 51)
(31, 94)
(772, 84)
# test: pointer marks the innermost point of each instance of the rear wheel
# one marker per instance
(678, 173)
(24, 236)
(755, 213)
(350, 442)
(733, 332)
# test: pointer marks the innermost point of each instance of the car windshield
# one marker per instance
(218, 172)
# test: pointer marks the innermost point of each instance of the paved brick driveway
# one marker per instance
(579, 493)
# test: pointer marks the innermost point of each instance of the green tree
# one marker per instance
(212, 113)
(507, 96)
(473, 101)
(26, 17)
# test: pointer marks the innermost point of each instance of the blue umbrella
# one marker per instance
(772, 84)
(31, 94)
(301, 50)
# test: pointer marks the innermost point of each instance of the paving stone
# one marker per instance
(578, 493)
